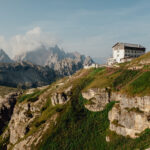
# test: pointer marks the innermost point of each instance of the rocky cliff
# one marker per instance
(7, 104)
(97, 99)
(130, 116)
(28, 125)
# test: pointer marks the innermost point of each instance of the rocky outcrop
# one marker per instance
(34, 139)
(7, 104)
(98, 98)
(61, 98)
(143, 103)
(19, 126)
(26, 113)
(130, 115)
(31, 120)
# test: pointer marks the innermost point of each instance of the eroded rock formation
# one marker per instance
(130, 115)
(7, 104)
(98, 99)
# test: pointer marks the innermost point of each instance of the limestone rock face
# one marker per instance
(130, 116)
(19, 122)
(26, 114)
(23, 115)
(36, 137)
(7, 104)
(32, 120)
(61, 98)
(143, 103)
(98, 99)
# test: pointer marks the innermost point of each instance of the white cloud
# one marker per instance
(31, 40)
(3, 43)
(34, 31)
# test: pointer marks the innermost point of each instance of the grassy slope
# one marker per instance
(78, 128)
(77, 122)
(129, 82)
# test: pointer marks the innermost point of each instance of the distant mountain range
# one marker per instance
(25, 75)
(39, 67)
(55, 58)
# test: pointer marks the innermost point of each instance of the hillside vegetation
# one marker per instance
(70, 126)
(124, 79)
(79, 128)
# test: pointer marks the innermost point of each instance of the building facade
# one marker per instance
(123, 52)
(91, 66)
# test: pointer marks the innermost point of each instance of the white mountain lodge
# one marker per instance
(123, 52)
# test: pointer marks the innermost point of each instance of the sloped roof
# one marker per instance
(129, 45)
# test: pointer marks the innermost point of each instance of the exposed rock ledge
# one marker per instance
(97, 99)
(128, 117)
(7, 104)
(24, 115)
(61, 97)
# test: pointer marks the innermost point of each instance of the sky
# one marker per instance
(90, 27)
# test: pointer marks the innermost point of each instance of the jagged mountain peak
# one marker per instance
(1, 51)
(63, 62)
(4, 58)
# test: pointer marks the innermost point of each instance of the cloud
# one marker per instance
(34, 31)
(29, 41)
(3, 43)
(95, 46)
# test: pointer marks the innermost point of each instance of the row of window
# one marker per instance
(127, 51)
(131, 51)
(132, 54)
(126, 55)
